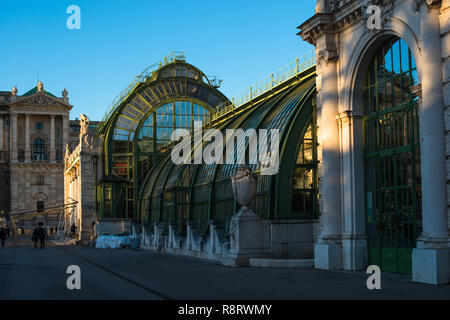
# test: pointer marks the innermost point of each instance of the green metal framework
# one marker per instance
(392, 157)
(200, 193)
(139, 123)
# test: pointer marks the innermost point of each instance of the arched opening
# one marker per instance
(391, 157)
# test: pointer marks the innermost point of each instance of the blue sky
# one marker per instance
(240, 42)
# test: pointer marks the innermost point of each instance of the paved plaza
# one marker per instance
(27, 273)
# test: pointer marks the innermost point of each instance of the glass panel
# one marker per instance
(393, 209)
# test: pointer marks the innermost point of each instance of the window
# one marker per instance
(39, 125)
(38, 150)
(40, 179)
(40, 206)
(392, 157)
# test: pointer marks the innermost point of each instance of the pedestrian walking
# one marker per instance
(8, 230)
(73, 229)
(3, 236)
(35, 236)
(42, 234)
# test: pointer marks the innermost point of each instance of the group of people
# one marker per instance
(39, 234)
(4, 233)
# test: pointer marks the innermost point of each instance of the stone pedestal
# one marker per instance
(249, 238)
(431, 265)
(158, 238)
(194, 241)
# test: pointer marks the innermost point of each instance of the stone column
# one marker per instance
(65, 120)
(1, 133)
(13, 137)
(27, 139)
(354, 239)
(430, 258)
(327, 252)
(52, 138)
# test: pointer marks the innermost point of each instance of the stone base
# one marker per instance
(327, 256)
(354, 253)
(230, 261)
(281, 263)
(431, 266)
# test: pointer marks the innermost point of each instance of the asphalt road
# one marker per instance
(27, 273)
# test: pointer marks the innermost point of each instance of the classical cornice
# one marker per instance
(39, 99)
(322, 23)
(35, 164)
(315, 26)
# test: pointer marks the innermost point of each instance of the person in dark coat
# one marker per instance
(73, 229)
(42, 234)
(3, 236)
(8, 230)
(35, 237)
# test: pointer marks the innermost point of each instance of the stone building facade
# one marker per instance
(345, 45)
(34, 130)
(382, 108)
(81, 173)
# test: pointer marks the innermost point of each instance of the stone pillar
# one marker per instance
(27, 139)
(1, 133)
(65, 120)
(354, 239)
(13, 137)
(52, 139)
(327, 252)
(430, 259)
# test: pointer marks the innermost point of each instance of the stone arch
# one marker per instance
(363, 53)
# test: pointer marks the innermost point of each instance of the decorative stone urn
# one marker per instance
(249, 233)
(243, 184)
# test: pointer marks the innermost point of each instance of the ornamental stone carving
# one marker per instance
(244, 188)
(84, 125)
(326, 56)
(39, 99)
(40, 86)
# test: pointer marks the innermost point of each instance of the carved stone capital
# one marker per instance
(327, 56)
(345, 117)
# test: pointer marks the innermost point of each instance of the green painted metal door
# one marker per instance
(392, 158)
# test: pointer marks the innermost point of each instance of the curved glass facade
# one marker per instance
(138, 131)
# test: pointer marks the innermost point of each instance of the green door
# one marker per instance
(392, 158)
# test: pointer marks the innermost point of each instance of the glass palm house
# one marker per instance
(142, 183)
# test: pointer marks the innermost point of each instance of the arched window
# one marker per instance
(38, 150)
(392, 157)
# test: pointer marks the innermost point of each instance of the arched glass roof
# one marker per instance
(208, 188)
(174, 80)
